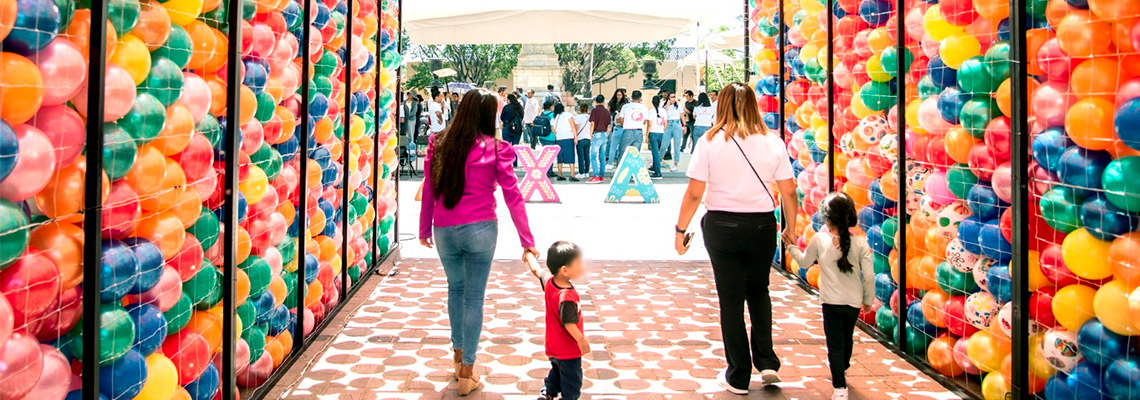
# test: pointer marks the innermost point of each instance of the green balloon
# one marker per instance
(267, 158)
(321, 84)
(145, 120)
(66, 12)
(259, 274)
(391, 59)
(927, 88)
(210, 128)
(997, 61)
(359, 204)
(977, 114)
(384, 244)
(204, 289)
(326, 65)
(354, 273)
(974, 77)
(814, 72)
(386, 99)
(119, 151)
(265, 107)
(116, 334)
(917, 341)
(953, 281)
(255, 338)
(178, 316)
(881, 263)
(890, 59)
(386, 224)
(178, 47)
(206, 228)
(886, 320)
(767, 28)
(878, 96)
(123, 14)
(13, 232)
(890, 228)
(288, 249)
(248, 11)
(798, 17)
(248, 316)
(217, 17)
(960, 179)
(1117, 188)
(164, 82)
(1061, 207)
(1036, 9)
(290, 279)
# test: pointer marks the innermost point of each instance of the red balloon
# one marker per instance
(1054, 267)
(1041, 306)
(936, 152)
(958, 12)
(61, 315)
(197, 159)
(189, 258)
(1007, 224)
(188, 350)
(917, 144)
(30, 285)
(997, 138)
(121, 211)
(982, 161)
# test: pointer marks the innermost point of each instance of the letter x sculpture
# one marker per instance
(535, 179)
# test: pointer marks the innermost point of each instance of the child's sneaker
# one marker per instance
(839, 394)
(728, 386)
(770, 377)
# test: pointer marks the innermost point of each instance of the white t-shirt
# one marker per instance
(562, 128)
(732, 186)
(633, 116)
(583, 121)
(657, 119)
(675, 111)
(436, 121)
(704, 116)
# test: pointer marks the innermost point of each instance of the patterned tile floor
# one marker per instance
(652, 325)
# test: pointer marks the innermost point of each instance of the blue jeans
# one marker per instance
(630, 138)
(615, 145)
(466, 252)
(598, 147)
(698, 132)
(583, 150)
(565, 377)
(655, 149)
(673, 135)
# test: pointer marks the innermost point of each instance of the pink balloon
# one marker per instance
(61, 315)
(273, 257)
(309, 318)
(1040, 180)
(997, 138)
(55, 380)
(241, 355)
(197, 160)
(164, 294)
(1003, 182)
(64, 70)
(931, 119)
(34, 166)
(121, 211)
(118, 94)
(937, 189)
(263, 41)
(21, 364)
(1128, 90)
(66, 131)
(196, 95)
(1056, 64)
(7, 322)
(258, 372)
(207, 184)
(252, 135)
(963, 359)
(1051, 101)
(983, 30)
(930, 46)
(913, 23)
(982, 161)
(30, 284)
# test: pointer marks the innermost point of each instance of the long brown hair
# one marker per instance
(737, 113)
(474, 119)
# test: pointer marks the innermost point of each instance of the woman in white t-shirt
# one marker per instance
(564, 134)
(738, 170)
(703, 117)
(657, 118)
(582, 143)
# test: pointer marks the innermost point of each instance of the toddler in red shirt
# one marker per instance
(565, 342)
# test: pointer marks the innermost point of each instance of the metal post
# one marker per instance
(399, 87)
(93, 202)
(830, 95)
(373, 247)
(900, 46)
(345, 191)
(229, 241)
(1020, 161)
(781, 47)
(747, 44)
(303, 172)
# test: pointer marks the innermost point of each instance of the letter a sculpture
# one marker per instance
(535, 179)
(632, 167)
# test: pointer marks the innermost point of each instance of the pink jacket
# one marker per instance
(489, 164)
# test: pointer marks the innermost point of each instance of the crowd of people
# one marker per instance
(740, 171)
(591, 137)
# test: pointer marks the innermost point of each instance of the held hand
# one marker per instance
(584, 346)
(867, 309)
(679, 244)
(788, 236)
(427, 242)
(531, 251)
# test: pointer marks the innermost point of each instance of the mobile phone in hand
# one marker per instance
(688, 239)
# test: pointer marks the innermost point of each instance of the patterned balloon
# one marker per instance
(952, 215)
(846, 144)
(959, 258)
(916, 176)
(872, 129)
(1005, 318)
(1059, 346)
(980, 309)
(889, 146)
(929, 208)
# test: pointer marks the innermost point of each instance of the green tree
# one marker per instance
(473, 63)
(610, 60)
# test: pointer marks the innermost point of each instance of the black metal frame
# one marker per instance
(1019, 153)
(830, 95)
(231, 145)
(747, 43)
(93, 202)
(346, 151)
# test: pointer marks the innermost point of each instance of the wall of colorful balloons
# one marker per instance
(160, 303)
(1083, 101)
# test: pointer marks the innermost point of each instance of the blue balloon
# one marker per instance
(1083, 168)
(331, 176)
(999, 283)
(1003, 29)
(359, 103)
(769, 85)
(263, 306)
(876, 240)
(1085, 380)
(120, 270)
(1101, 346)
(150, 261)
(875, 12)
(940, 74)
(993, 243)
(321, 155)
(950, 103)
(1122, 379)
(77, 394)
(123, 379)
(37, 23)
(817, 221)
(291, 13)
(279, 320)
(984, 201)
(318, 105)
(875, 191)
(1127, 123)
(772, 120)
(256, 75)
(322, 16)
(9, 149)
(1106, 221)
(288, 148)
(311, 267)
(242, 209)
(1057, 388)
(150, 327)
(916, 320)
(869, 217)
(818, 155)
(1081, 4)
(884, 287)
(206, 386)
(968, 233)
(1048, 146)
(802, 273)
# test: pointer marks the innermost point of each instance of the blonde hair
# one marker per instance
(737, 113)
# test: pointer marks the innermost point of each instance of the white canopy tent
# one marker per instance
(732, 39)
(542, 21)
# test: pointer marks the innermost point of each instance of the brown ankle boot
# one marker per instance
(468, 382)
(457, 361)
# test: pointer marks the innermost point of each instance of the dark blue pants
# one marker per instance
(565, 378)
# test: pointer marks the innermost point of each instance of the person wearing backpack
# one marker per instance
(543, 129)
(511, 119)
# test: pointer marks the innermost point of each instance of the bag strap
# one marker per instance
(762, 184)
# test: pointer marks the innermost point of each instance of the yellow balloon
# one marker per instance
(1110, 302)
(809, 51)
(1086, 255)
(1073, 306)
(879, 39)
(994, 386)
(957, 48)
(812, 7)
(985, 351)
(161, 378)
(357, 128)
(912, 116)
(1038, 365)
(183, 12)
(858, 108)
(1037, 278)
(875, 69)
(131, 54)
(936, 26)
(255, 184)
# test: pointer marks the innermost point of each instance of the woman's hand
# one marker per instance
(788, 236)
(427, 242)
(679, 244)
(530, 250)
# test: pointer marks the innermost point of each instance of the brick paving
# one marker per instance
(652, 326)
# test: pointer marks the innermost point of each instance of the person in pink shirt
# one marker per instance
(464, 165)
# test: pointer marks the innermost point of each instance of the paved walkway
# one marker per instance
(652, 325)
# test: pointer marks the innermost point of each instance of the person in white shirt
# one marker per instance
(565, 132)
(674, 129)
(435, 113)
(531, 109)
(634, 120)
(582, 143)
(703, 116)
(657, 115)
(551, 95)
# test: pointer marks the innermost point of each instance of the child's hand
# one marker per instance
(867, 309)
(584, 346)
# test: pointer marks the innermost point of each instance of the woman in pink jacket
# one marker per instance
(464, 165)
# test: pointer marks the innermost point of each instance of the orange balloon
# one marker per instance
(1089, 123)
(188, 207)
(889, 184)
(244, 243)
(1096, 77)
(813, 276)
(8, 12)
(148, 173)
(958, 143)
(323, 130)
(217, 59)
(171, 188)
(1122, 35)
(285, 338)
(279, 290)
(1124, 259)
(313, 293)
(1130, 66)
(248, 104)
(928, 273)
(1115, 9)
(63, 244)
(934, 306)
(217, 95)
(63, 196)
(327, 247)
(176, 134)
(180, 392)
(209, 326)
(1082, 35)
(286, 209)
(993, 10)
(206, 44)
(153, 26)
(276, 352)
(940, 354)
(288, 124)
(1055, 11)
(79, 32)
(162, 229)
(211, 5)
(21, 88)
(314, 175)
(241, 287)
(316, 222)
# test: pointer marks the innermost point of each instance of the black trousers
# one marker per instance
(839, 329)
(565, 378)
(741, 247)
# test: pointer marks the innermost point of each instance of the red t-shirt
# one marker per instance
(561, 308)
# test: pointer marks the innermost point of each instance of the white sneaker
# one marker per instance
(724, 384)
(839, 394)
(770, 377)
